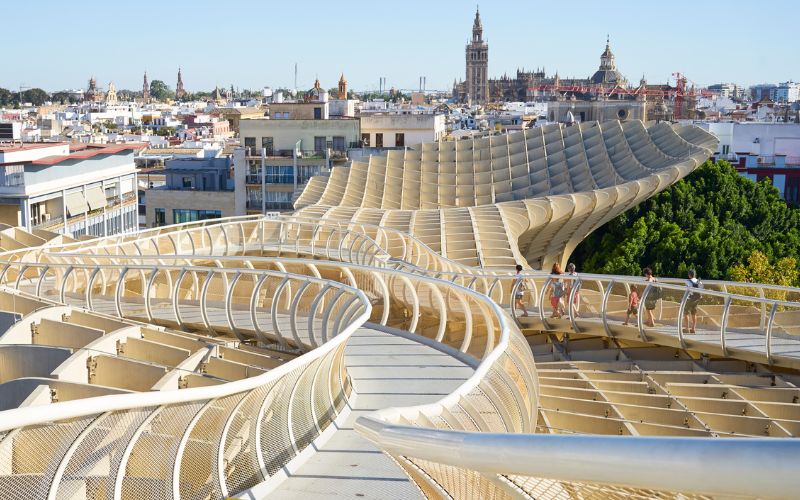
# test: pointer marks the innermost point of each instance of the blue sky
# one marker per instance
(252, 44)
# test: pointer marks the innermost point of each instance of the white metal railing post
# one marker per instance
(604, 307)
(724, 324)
(770, 327)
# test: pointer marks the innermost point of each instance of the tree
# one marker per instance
(711, 221)
(35, 96)
(758, 269)
(160, 91)
(166, 131)
(6, 97)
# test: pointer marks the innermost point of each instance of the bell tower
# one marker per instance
(179, 90)
(342, 88)
(477, 53)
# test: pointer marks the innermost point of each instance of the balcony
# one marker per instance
(52, 223)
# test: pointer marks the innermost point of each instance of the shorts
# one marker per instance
(633, 310)
(554, 301)
(650, 305)
(691, 307)
(518, 296)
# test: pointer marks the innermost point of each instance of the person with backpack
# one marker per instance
(576, 302)
(653, 296)
(556, 291)
(633, 304)
(520, 291)
(690, 308)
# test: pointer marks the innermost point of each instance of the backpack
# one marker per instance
(654, 293)
(558, 289)
(694, 296)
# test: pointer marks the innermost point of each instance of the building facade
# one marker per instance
(195, 189)
(762, 150)
(394, 130)
(73, 189)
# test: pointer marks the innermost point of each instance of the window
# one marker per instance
(187, 182)
(339, 144)
(319, 144)
(725, 149)
(792, 192)
(268, 144)
(279, 200)
(399, 140)
(378, 140)
(318, 113)
(181, 215)
(250, 145)
(365, 140)
(161, 217)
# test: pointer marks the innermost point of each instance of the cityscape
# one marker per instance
(338, 284)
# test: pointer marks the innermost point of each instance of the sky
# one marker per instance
(252, 44)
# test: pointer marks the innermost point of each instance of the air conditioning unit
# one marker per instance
(46, 217)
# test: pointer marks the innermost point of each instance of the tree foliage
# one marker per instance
(35, 96)
(758, 269)
(7, 98)
(160, 91)
(712, 221)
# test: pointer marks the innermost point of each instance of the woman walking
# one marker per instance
(556, 292)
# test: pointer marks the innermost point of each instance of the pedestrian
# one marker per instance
(633, 304)
(652, 298)
(556, 291)
(692, 301)
(576, 301)
(520, 291)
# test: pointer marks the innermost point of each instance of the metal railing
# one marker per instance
(223, 276)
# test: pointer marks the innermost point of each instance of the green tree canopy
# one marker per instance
(7, 98)
(711, 221)
(160, 91)
(35, 96)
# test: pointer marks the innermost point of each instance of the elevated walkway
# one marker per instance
(386, 371)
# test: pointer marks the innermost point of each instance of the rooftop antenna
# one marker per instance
(295, 76)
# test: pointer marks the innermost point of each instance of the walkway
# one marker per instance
(386, 370)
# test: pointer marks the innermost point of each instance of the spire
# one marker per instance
(145, 89)
(477, 27)
(179, 90)
(607, 57)
(342, 88)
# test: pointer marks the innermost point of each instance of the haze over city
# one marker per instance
(251, 44)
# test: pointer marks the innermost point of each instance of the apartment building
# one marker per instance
(280, 153)
(194, 189)
(760, 150)
(74, 189)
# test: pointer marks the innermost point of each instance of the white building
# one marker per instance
(765, 140)
(389, 130)
(76, 189)
(785, 92)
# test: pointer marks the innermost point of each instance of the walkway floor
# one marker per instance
(386, 370)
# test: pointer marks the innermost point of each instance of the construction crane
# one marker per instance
(677, 93)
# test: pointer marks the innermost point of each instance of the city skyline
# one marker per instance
(419, 40)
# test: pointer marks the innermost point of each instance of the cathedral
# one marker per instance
(605, 95)
(525, 85)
